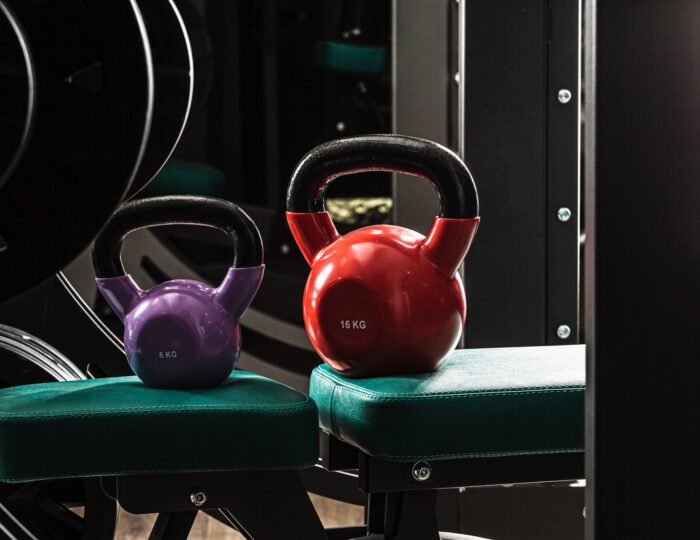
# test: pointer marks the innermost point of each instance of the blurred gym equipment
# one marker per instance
(94, 95)
(18, 91)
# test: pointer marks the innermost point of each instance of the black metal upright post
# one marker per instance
(643, 267)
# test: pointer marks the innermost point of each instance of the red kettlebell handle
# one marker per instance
(452, 231)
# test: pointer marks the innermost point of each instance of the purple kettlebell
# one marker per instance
(182, 333)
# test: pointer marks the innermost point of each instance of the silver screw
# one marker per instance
(564, 95)
(198, 498)
(422, 471)
(340, 126)
(564, 331)
(457, 78)
(564, 214)
(284, 248)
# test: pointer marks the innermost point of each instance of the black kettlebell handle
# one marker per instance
(176, 210)
(392, 153)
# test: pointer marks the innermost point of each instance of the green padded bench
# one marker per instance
(481, 402)
(118, 426)
(238, 446)
(486, 417)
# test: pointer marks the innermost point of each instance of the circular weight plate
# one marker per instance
(94, 102)
(17, 91)
(173, 84)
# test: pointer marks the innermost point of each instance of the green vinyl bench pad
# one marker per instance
(481, 402)
(119, 426)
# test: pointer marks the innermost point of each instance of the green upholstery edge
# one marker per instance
(411, 426)
(214, 430)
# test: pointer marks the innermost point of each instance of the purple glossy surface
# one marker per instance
(182, 333)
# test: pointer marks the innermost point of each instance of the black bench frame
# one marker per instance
(258, 504)
(401, 497)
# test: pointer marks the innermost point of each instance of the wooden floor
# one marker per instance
(332, 513)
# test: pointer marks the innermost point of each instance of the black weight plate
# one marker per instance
(16, 92)
(94, 102)
(173, 83)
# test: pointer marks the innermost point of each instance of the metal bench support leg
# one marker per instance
(410, 515)
(100, 521)
(376, 513)
(173, 526)
(273, 507)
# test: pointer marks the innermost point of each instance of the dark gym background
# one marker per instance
(504, 92)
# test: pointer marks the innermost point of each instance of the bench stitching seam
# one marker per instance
(157, 410)
(476, 394)
(483, 454)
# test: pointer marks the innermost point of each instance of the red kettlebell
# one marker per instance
(383, 299)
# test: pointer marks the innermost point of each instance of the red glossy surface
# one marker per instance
(312, 232)
(383, 300)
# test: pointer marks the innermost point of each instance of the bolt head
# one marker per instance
(564, 331)
(198, 498)
(564, 214)
(564, 95)
(422, 471)
(340, 126)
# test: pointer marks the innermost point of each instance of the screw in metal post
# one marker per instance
(564, 95)
(564, 214)
(421, 471)
(198, 498)
(564, 331)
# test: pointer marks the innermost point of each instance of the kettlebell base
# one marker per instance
(163, 376)
(393, 366)
(183, 383)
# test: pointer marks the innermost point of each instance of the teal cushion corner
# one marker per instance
(481, 402)
(352, 58)
(119, 426)
(179, 177)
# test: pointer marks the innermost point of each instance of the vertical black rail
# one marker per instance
(643, 268)
(563, 171)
